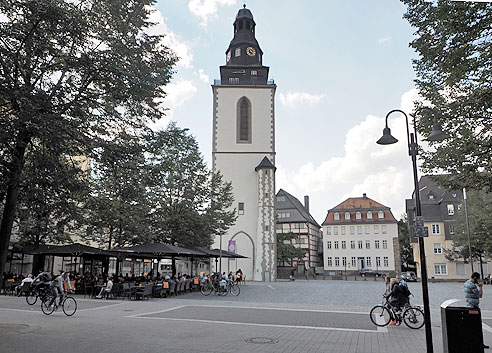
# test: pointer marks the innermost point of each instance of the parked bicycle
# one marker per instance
(382, 315)
(219, 286)
(68, 304)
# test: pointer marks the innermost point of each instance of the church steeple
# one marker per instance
(244, 55)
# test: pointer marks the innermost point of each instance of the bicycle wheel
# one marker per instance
(234, 289)
(380, 316)
(31, 298)
(45, 301)
(413, 318)
(69, 306)
(206, 288)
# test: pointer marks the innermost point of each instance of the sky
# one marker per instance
(339, 67)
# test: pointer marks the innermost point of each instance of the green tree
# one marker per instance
(189, 203)
(118, 209)
(479, 203)
(286, 251)
(406, 252)
(71, 74)
(454, 73)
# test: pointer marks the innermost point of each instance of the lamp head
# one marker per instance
(387, 138)
(437, 134)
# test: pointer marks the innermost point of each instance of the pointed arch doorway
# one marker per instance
(246, 247)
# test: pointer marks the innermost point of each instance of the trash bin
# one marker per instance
(461, 328)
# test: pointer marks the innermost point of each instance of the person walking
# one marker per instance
(473, 292)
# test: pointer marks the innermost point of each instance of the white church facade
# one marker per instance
(243, 150)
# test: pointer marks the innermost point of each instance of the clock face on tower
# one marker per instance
(250, 51)
(228, 56)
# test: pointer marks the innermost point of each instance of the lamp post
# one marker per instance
(468, 230)
(436, 135)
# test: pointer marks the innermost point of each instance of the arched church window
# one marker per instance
(240, 24)
(247, 25)
(244, 121)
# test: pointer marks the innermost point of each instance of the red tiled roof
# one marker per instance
(363, 205)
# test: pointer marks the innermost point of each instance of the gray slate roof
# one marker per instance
(298, 212)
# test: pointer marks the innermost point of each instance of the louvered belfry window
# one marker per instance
(244, 133)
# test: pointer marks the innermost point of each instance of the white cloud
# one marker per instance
(203, 76)
(207, 9)
(293, 99)
(171, 39)
(383, 172)
(384, 40)
(177, 94)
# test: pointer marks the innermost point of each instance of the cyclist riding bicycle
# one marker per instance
(398, 295)
(58, 288)
(44, 281)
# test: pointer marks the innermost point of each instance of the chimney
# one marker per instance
(306, 203)
(364, 196)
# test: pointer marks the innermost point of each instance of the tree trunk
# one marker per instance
(12, 194)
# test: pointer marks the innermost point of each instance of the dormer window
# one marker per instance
(237, 52)
(358, 215)
(254, 72)
(347, 215)
(336, 216)
(369, 215)
(380, 214)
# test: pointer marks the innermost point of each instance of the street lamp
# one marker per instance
(436, 135)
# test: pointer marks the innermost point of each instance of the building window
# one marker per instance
(344, 244)
(378, 261)
(353, 262)
(451, 229)
(385, 244)
(328, 244)
(366, 229)
(234, 80)
(336, 216)
(237, 52)
(328, 230)
(329, 261)
(352, 230)
(359, 243)
(358, 215)
(254, 73)
(285, 215)
(244, 121)
(460, 268)
(343, 230)
(385, 261)
(376, 229)
(347, 215)
(280, 198)
(440, 269)
(344, 261)
(337, 261)
(359, 229)
(381, 215)
(450, 210)
(368, 261)
(383, 229)
(437, 248)
(352, 244)
(436, 229)
(369, 215)
(336, 244)
(376, 244)
(335, 230)
(240, 208)
(368, 244)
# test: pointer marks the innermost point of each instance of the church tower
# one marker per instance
(243, 150)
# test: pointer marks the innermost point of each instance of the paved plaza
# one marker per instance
(300, 316)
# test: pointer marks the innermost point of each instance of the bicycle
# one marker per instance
(382, 315)
(35, 292)
(68, 304)
(212, 284)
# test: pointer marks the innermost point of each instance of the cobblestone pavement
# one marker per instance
(300, 316)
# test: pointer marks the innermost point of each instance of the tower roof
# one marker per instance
(265, 164)
(244, 13)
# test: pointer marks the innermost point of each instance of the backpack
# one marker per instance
(406, 291)
(45, 277)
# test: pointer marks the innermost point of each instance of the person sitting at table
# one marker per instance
(106, 289)
(28, 279)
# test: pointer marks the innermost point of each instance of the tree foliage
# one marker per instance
(73, 73)
(406, 252)
(479, 204)
(454, 73)
(286, 251)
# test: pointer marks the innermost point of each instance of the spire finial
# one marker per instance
(244, 6)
